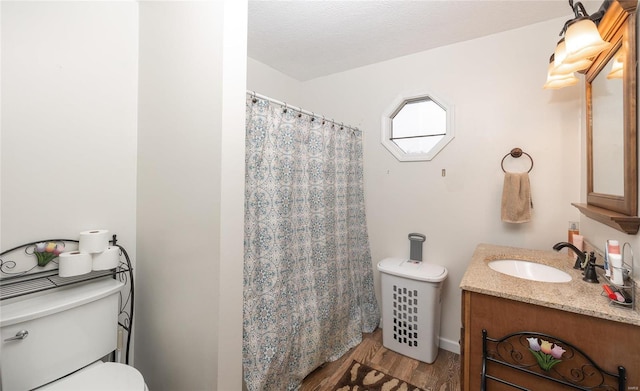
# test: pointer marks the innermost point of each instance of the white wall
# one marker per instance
(232, 173)
(88, 132)
(1, 109)
(267, 81)
(69, 117)
(190, 194)
(495, 86)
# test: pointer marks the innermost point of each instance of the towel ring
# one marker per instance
(516, 153)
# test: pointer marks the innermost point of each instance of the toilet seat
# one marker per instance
(100, 376)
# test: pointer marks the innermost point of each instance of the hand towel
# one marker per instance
(516, 198)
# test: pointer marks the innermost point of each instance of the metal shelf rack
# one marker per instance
(14, 284)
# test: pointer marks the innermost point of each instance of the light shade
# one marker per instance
(555, 81)
(560, 63)
(617, 67)
(583, 40)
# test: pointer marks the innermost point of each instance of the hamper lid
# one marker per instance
(414, 270)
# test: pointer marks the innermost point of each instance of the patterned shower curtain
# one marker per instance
(308, 278)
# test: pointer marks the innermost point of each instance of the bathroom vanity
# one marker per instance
(574, 311)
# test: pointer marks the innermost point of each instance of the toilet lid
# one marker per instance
(107, 376)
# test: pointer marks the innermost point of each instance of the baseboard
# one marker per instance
(449, 345)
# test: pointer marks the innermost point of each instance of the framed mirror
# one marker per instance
(612, 163)
(607, 131)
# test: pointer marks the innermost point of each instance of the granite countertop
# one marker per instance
(575, 296)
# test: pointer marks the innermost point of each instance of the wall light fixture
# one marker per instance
(557, 80)
(580, 44)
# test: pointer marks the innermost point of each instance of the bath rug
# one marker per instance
(360, 377)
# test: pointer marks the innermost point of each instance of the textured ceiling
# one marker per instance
(305, 39)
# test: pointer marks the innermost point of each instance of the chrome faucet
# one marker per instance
(581, 258)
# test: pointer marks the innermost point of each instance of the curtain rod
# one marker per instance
(298, 109)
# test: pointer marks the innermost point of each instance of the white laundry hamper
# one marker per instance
(411, 306)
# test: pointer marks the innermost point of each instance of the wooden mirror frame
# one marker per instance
(618, 26)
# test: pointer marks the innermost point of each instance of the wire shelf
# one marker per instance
(12, 287)
(14, 283)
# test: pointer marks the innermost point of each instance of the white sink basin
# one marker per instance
(529, 270)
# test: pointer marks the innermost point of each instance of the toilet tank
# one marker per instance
(68, 328)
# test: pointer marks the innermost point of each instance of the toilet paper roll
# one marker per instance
(94, 241)
(74, 263)
(108, 259)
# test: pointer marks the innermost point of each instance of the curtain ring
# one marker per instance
(254, 99)
(323, 121)
(285, 107)
(313, 116)
(341, 125)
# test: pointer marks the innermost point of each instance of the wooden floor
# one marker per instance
(442, 375)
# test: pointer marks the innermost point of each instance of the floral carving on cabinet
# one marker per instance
(547, 354)
(549, 359)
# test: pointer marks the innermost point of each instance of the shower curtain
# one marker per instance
(308, 278)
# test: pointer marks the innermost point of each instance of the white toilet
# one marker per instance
(56, 340)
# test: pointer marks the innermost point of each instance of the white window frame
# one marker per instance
(387, 120)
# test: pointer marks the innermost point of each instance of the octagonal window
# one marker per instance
(417, 128)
